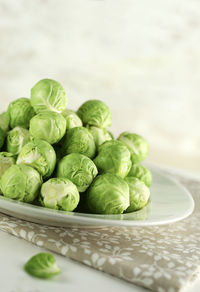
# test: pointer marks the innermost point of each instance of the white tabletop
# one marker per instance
(75, 276)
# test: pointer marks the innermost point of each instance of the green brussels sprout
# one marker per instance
(78, 168)
(48, 95)
(113, 157)
(60, 194)
(6, 161)
(79, 140)
(21, 182)
(42, 265)
(139, 193)
(16, 139)
(40, 155)
(136, 144)
(142, 173)
(72, 119)
(48, 126)
(95, 113)
(4, 121)
(20, 113)
(100, 135)
(2, 138)
(108, 194)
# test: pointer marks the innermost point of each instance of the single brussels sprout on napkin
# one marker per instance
(48, 95)
(60, 194)
(72, 119)
(113, 157)
(21, 182)
(79, 140)
(42, 265)
(40, 155)
(136, 144)
(2, 138)
(78, 168)
(142, 173)
(108, 194)
(20, 112)
(100, 135)
(16, 139)
(48, 126)
(139, 194)
(4, 121)
(95, 113)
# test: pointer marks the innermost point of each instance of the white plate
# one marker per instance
(170, 202)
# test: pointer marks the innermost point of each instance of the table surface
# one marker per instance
(15, 252)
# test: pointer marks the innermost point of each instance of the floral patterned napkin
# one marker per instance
(160, 258)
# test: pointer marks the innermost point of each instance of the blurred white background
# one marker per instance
(141, 57)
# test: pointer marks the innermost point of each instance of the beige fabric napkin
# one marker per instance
(160, 258)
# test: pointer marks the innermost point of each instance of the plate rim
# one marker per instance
(92, 220)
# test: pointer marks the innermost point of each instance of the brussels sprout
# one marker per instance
(21, 182)
(59, 193)
(142, 173)
(100, 135)
(95, 113)
(72, 119)
(6, 160)
(2, 138)
(48, 126)
(16, 139)
(139, 193)
(136, 144)
(42, 265)
(40, 155)
(4, 121)
(79, 140)
(20, 112)
(79, 169)
(113, 157)
(48, 95)
(108, 194)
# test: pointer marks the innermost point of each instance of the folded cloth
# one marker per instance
(160, 258)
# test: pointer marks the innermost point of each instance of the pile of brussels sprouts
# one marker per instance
(61, 159)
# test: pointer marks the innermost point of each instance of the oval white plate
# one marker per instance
(170, 202)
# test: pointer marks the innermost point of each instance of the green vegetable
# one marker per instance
(79, 140)
(4, 121)
(6, 160)
(40, 155)
(79, 169)
(95, 113)
(48, 126)
(48, 95)
(16, 139)
(136, 144)
(139, 194)
(2, 138)
(72, 119)
(113, 157)
(108, 194)
(21, 182)
(59, 193)
(20, 112)
(142, 173)
(42, 265)
(100, 135)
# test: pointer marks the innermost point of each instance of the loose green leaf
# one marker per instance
(42, 265)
